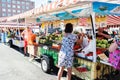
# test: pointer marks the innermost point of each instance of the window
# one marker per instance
(9, 10)
(27, 8)
(14, 11)
(9, 14)
(3, 0)
(23, 7)
(18, 11)
(18, 6)
(13, 1)
(14, 6)
(18, 2)
(4, 10)
(9, 1)
(9, 5)
(27, 3)
(23, 3)
(3, 14)
(3, 5)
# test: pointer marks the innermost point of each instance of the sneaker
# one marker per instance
(31, 59)
(25, 55)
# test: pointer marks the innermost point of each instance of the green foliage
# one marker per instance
(10, 35)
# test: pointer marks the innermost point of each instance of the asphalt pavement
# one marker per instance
(14, 66)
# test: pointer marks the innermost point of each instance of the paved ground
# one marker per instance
(14, 66)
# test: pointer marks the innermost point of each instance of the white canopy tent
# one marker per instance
(53, 7)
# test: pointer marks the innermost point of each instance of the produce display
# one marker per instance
(51, 53)
(50, 39)
(103, 43)
(10, 35)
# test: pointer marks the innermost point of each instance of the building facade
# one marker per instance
(13, 7)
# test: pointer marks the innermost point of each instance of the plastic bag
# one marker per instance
(113, 47)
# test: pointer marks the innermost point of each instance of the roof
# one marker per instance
(68, 9)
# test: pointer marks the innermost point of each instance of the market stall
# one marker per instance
(103, 47)
(85, 65)
(13, 31)
(91, 60)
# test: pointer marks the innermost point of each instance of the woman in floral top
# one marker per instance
(66, 53)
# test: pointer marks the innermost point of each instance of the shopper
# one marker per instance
(66, 53)
(114, 56)
(2, 36)
(32, 46)
(25, 34)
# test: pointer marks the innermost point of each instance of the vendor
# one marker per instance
(88, 49)
(102, 34)
(83, 41)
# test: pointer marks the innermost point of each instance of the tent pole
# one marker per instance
(18, 22)
(92, 16)
(18, 28)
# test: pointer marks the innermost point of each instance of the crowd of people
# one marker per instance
(6, 34)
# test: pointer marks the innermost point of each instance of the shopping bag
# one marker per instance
(114, 59)
(113, 47)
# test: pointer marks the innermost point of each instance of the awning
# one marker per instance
(3, 19)
(62, 4)
(12, 25)
(67, 13)
(113, 20)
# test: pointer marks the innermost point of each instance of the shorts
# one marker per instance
(32, 50)
(25, 43)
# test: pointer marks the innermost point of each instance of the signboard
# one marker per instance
(106, 8)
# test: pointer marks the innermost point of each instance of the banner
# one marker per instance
(106, 8)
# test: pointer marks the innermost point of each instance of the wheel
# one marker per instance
(10, 43)
(45, 65)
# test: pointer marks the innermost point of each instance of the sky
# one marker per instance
(39, 2)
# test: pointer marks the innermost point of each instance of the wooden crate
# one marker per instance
(94, 69)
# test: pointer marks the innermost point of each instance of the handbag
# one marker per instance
(113, 47)
(114, 59)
